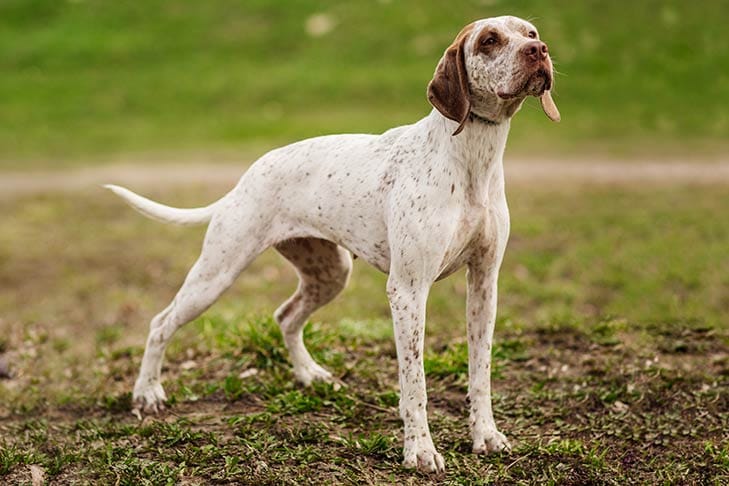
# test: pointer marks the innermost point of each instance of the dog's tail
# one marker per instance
(160, 212)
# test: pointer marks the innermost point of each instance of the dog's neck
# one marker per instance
(477, 151)
(491, 108)
(475, 117)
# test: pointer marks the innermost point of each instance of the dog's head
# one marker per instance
(489, 69)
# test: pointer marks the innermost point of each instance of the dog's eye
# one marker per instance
(489, 41)
(532, 34)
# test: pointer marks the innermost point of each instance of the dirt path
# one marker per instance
(518, 170)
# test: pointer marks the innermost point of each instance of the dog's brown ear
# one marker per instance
(550, 109)
(448, 90)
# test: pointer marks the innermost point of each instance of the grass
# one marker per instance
(85, 80)
(611, 358)
(607, 370)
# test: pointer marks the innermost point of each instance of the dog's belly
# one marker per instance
(455, 264)
(367, 241)
(377, 255)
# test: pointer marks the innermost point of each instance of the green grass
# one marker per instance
(610, 359)
(88, 79)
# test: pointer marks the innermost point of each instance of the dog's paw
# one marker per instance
(492, 441)
(148, 399)
(425, 458)
(312, 372)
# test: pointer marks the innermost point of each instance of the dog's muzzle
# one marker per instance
(538, 83)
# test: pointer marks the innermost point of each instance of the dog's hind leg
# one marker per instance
(228, 249)
(323, 269)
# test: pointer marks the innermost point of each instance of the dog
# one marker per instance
(418, 202)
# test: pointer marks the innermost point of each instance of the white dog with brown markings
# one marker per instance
(417, 202)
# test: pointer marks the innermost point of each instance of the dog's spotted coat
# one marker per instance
(417, 202)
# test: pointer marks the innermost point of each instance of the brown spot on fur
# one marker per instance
(482, 44)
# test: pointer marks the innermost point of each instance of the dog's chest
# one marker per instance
(467, 232)
(481, 223)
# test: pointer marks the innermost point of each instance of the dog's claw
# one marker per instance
(427, 461)
(421, 454)
(493, 441)
(149, 400)
(313, 372)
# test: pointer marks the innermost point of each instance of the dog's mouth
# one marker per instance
(538, 83)
(534, 85)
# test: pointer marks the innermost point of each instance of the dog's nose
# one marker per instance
(535, 51)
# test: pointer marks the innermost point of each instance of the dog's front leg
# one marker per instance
(408, 297)
(481, 316)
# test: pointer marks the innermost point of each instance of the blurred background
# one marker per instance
(84, 79)
(614, 295)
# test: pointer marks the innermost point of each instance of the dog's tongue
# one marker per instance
(550, 109)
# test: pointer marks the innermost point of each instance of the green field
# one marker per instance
(611, 354)
(612, 351)
(85, 79)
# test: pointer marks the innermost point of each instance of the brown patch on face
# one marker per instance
(488, 41)
(448, 90)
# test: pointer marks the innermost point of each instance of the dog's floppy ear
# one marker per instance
(550, 109)
(448, 91)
